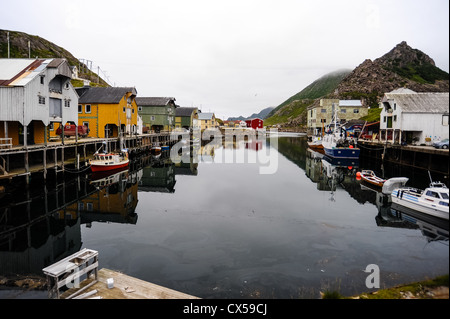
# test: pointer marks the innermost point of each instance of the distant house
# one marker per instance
(255, 123)
(108, 111)
(186, 117)
(321, 115)
(34, 95)
(207, 121)
(411, 117)
(158, 113)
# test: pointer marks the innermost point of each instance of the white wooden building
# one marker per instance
(34, 94)
(414, 118)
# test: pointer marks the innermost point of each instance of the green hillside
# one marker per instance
(294, 108)
(24, 46)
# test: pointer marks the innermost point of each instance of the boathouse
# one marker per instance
(255, 123)
(108, 111)
(207, 121)
(186, 117)
(414, 118)
(158, 113)
(35, 94)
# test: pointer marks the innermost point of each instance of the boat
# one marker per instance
(432, 201)
(109, 161)
(369, 176)
(155, 149)
(316, 144)
(336, 144)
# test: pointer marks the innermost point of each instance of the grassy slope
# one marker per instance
(297, 104)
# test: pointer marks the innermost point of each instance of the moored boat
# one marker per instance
(109, 161)
(432, 201)
(370, 177)
(336, 144)
(316, 144)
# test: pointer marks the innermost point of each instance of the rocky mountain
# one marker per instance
(23, 45)
(262, 115)
(403, 66)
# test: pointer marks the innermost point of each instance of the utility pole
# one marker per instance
(7, 36)
(29, 49)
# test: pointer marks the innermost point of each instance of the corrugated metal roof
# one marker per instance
(205, 116)
(103, 95)
(350, 103)
(420, 102)
(154, 101)
(18, 72)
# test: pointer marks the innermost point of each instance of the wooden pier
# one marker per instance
(421, 157)
(125, 287)
(55, 156)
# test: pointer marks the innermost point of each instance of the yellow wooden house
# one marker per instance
(108, 111)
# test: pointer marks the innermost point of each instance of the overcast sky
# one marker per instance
(226, 56)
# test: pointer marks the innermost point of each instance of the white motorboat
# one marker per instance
(432, 201)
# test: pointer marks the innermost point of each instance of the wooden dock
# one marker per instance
(125, 287)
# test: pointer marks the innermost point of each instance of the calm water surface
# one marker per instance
(224, 230)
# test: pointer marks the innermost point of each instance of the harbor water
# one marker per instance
(246, 219)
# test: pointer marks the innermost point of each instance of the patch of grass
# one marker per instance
(416, 289)
(332, 295)
(373, 116)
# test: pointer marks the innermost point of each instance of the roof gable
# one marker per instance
(420, 102)
(154, 101)
(184, 111)
(205, 116)
(103, 95)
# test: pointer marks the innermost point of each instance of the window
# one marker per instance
(152, 118)
(51, 126)
(66, 103)
(90, 207)
(87, 125)
(395, 118)
(42, 79)
(41, 99)
(395, 106)
(124, 109)
(323, 110)
(432, 194)
(67, 86)
(87, 108)
(384, 119)
(80, 108)
(343, 110)
(355, 111)
(445, 119)
(139, 108)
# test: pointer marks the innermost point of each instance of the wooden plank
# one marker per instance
(127, 287)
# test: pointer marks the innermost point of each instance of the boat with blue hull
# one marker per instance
(342, 152)
(336, 144)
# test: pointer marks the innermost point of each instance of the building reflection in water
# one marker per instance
(42, 225)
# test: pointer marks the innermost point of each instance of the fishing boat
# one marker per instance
(316, 144)
(336, 144)
(432, 201)
(369, 176)
(109, 161)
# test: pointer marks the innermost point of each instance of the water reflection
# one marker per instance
(41, 225)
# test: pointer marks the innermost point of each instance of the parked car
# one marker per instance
(441, 144)
(69, 130)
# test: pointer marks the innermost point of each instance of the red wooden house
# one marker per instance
(255, 123)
